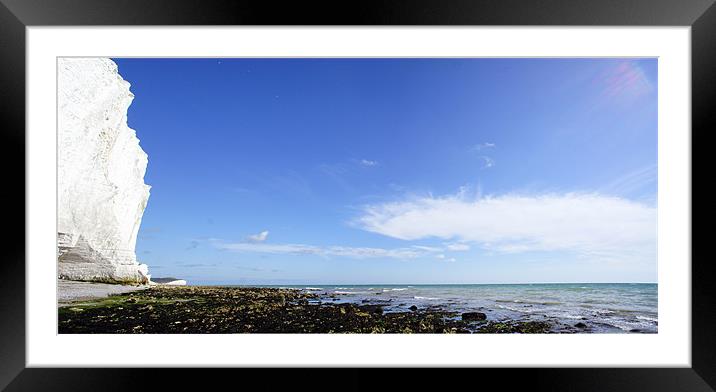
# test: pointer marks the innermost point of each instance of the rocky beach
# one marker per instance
(196, 309)
(474, 259)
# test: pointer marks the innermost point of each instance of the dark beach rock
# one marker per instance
(635, 330)
(175, 281)
(515, 327)
(474, 316)
(413, 308)
(580, 325)
(376, 309)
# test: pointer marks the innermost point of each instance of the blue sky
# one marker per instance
(319, 171)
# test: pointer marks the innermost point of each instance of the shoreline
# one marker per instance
(594, 308)
(73, 291)
(205, 309)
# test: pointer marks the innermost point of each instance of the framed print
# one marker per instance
(413, 184)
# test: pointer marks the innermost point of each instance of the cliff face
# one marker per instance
(101, 189)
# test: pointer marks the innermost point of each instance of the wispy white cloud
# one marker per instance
(367, 162)
(633, 181)
(260, 237)
(445, 258)
(457, 246)
(269, 248)
(589, 224)
(327, 251)
(483, 146)
(428, 248)
(487, 162)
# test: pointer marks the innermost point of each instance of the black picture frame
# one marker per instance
(16, 15)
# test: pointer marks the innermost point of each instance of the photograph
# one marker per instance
(499, 187)
(368, 195)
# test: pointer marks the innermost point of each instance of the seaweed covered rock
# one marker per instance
(474, 316)
(195, 309)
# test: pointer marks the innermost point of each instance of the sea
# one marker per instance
(602, 307)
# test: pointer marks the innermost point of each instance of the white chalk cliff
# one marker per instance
(101, 189)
